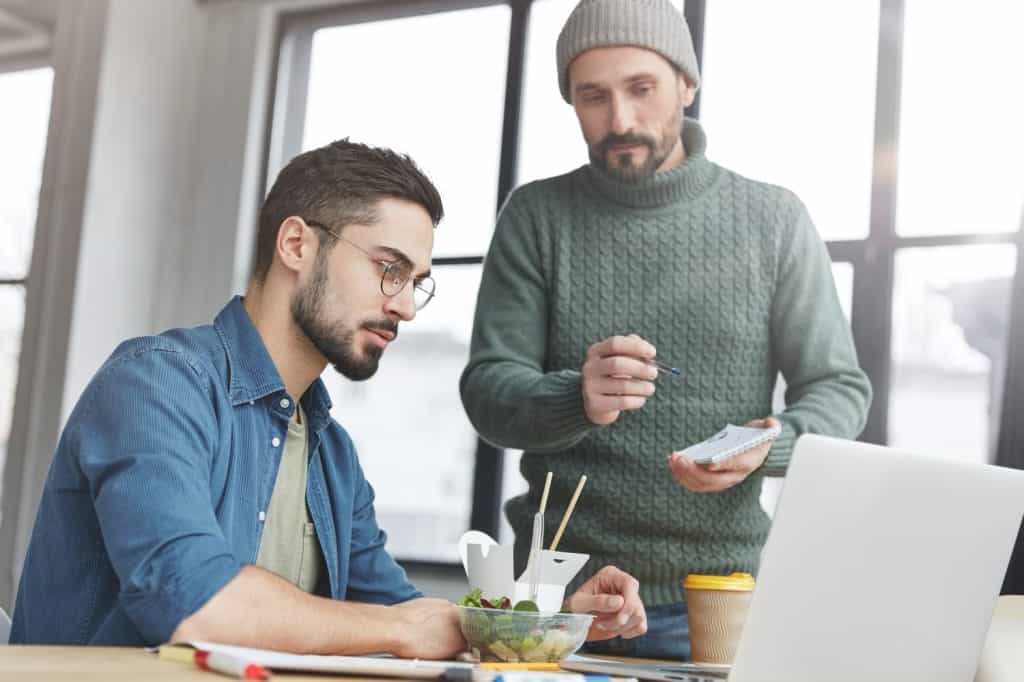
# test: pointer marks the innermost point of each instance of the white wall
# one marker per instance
(162, 212)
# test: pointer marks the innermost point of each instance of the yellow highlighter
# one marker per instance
(182, 653)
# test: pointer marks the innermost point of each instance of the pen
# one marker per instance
(227, 664)
(665, 369)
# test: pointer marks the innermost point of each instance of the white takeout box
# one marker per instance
(489, 568)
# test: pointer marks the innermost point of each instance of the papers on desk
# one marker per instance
(375, 666)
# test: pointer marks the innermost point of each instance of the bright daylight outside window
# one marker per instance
(806, 124)
(950, 322)
(441, 101)
(958, 174)
(23, 141)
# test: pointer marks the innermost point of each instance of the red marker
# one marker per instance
(230, 665)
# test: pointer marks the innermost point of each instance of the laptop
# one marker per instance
(881, 564)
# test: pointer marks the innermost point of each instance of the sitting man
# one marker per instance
(201, 489)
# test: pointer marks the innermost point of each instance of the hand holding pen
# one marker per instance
(619, 374)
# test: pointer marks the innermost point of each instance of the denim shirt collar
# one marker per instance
(252, 373)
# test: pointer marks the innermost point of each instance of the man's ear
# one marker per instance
(687, 91)
(294, 244)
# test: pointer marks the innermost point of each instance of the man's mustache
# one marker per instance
(615, 140)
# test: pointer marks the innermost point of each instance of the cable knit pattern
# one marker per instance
(728, 278)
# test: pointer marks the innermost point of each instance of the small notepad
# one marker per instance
(730, 441)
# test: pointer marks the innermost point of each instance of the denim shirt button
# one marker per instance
(275, 441)
(285, 403)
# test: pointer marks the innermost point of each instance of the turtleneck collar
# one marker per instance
(685, 182)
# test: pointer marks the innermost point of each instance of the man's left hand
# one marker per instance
(613, 596)
(711, 478)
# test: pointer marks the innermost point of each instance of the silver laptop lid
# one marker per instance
(880, 564)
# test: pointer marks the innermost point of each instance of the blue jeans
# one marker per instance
(668, 637)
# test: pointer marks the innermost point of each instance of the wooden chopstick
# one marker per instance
(568, 512)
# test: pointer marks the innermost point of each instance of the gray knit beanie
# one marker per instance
(652, 24)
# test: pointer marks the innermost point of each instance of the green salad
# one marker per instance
(475, 599)
(497, 630)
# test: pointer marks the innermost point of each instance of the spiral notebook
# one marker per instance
(730, 441)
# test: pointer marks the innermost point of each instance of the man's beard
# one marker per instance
(334, 341)
(625, 170)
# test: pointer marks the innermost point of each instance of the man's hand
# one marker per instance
(613, 596)
(616, 377)
(711, 478)
(428, 628)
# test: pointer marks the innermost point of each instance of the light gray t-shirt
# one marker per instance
(289, 546)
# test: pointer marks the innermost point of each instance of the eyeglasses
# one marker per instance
(395, 274)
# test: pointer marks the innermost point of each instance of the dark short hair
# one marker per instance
(337, 185)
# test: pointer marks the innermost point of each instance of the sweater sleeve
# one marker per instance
(509, 397)
(826, 390)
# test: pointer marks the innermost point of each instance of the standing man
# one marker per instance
(201, 489)
(652, 250)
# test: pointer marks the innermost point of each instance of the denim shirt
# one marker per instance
(157, 491)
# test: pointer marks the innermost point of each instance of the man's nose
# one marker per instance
(623, 116)
(403, 304)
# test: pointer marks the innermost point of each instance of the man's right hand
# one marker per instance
(617, 376)
(429, 628)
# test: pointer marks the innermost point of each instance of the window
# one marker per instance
(960, 167)
(951, 310)
(816, 111)
(415, 443)
(950, 325)
(23, 139)
(949, 298)
(428, 100)
(444, 109)
(804, 123)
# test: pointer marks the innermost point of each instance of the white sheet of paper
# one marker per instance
(379, 666)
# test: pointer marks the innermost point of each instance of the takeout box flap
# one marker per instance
(491, 573)
(556, 568)
(489, 568)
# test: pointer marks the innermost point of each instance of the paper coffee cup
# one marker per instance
(717, 607)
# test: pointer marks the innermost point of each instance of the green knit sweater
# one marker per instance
(728, 278)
